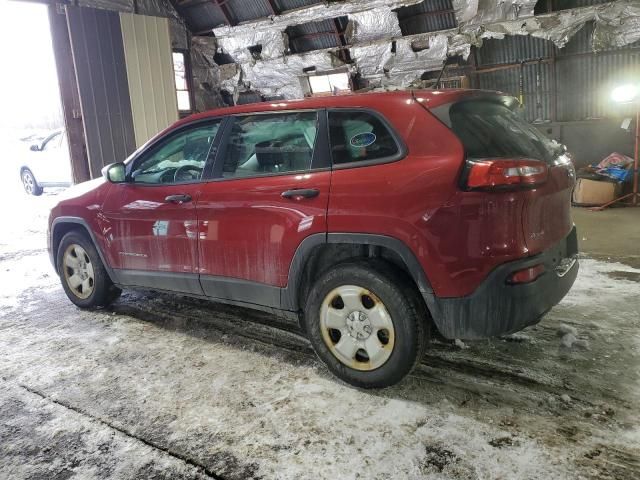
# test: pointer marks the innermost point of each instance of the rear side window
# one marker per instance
(489, 129)
(358, 136)
(270, 144)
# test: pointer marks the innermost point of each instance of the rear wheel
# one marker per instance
(83, 276)
(366, 323)
(29, 183)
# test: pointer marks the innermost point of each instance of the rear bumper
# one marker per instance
(497, 308)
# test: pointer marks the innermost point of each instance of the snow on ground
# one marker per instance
(168, 387)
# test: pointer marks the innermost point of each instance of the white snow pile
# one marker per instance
(596, 288)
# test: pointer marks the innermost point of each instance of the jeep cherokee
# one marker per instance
(367, 217)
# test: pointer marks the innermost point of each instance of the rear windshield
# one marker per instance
(489, 129)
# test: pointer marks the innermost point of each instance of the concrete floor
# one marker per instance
(613, 233)
(167, 387)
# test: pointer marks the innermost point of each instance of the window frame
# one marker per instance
(320, 159)
(402, 147)
(156, 143)
(188, 77)
(47, 141)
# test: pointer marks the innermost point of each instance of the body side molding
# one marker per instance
(290, 294)
(411, 262)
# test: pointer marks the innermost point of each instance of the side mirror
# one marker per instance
(115, 173)
(34, 148)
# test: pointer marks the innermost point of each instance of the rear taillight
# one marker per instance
(504, 174)
(526, 275)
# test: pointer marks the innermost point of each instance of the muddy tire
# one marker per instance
(29, 183)
(367, 323)
(82, 273)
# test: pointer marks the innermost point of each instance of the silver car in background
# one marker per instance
(47, 164)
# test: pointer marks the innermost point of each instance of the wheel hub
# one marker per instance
(78, 271)
(358, 325)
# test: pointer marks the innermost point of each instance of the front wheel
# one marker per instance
(83, 276)
(367, 323)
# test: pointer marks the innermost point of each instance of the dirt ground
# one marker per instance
(160, 386)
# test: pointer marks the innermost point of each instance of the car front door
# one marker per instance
(150, 220)
(270, 192)
(51, 164)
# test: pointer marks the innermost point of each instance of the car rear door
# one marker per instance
(150, 221)
(269, 191)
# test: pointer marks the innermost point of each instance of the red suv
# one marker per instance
(368, 217)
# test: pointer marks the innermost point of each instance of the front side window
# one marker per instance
(270, 144)
(181, 158)
(53, 142)
(359, 136)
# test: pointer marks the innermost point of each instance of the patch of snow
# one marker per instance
(564, 329)
(567, 340)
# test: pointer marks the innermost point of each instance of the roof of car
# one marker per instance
(431, 98)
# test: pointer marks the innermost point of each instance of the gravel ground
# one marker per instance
(160, 386)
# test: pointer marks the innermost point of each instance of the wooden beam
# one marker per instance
(69, 93)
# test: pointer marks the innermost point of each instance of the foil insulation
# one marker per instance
(386, 59)
(312, 13)
(374, 24)
(489, 11)
(271, 42)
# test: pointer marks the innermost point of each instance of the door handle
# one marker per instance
(301, 192)
(180, 198)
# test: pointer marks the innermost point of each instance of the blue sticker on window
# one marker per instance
(361, 140)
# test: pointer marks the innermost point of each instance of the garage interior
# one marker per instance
(162, 386)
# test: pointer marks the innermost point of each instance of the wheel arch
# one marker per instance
(319, 252)
(63, 225)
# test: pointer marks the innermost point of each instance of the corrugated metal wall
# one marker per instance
(428, 16)
(315, 35)
(147, 52)
(98, 55)
(578, 80)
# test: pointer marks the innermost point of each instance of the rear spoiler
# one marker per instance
(470, 95)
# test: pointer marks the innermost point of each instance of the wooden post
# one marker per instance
(69, 93)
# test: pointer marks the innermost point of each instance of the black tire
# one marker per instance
(104, 292)
(29, 182)
(401, 299)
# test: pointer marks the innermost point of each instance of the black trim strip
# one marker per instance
(398, 246)
(245, 291)
(78, 221)
(172, 281)
(290, 295)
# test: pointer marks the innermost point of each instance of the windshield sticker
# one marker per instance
(361, 140)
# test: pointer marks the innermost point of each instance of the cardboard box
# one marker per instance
(594, 192)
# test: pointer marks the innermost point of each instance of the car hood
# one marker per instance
(82, 189)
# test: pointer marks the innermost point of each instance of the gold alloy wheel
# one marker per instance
(357, 328)
(78, 271)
